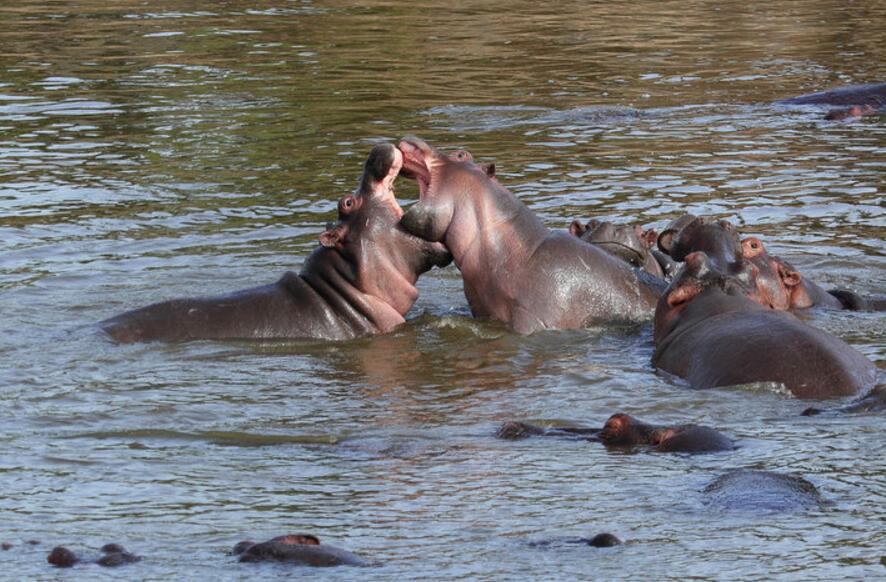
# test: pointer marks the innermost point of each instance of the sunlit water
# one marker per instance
(171, 149)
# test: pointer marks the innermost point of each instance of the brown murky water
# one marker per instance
(150, 150)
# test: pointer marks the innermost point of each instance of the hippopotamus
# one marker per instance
(301, 549)
(513, 267)
(709, 331)
(781, 286)
(623, 430)
(719, 239)
(628, 242)
(359, 281)
(601, 540)
(114, 555)
(873, 401)
(854, 100)
(746, 489)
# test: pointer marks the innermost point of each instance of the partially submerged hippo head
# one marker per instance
(700, 273)
(623, 430)
(387, 258)
(300, 549)
(689, 233)
(779, 285)
(430, 217)
(628, 242)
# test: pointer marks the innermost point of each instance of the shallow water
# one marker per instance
(167, 149)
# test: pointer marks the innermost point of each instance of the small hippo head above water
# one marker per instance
(628, 242)
(299, 549)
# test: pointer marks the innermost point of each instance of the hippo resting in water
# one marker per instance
(745, 489)
(779, 285)
(114, 555)
(359, 281)
(300, 549)
(709, 332)
(622, 430)
(628, 242)
(853, 100)
(513, 267)
(873, 401)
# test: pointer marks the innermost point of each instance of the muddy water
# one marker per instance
(163, 149)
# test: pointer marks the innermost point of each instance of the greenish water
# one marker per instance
(170, 149)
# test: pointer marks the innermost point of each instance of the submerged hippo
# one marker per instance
(301, 549)
(601, 540)
(781, 286)
(622, 430)
(359, 281)
(514, 268)
(114, 555)
(745, 489)
(709, 332)
(853, 100)
(873, 401)
(628, 242)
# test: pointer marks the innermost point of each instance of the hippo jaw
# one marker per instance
(429, 218)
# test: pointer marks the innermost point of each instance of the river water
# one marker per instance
(151, 150)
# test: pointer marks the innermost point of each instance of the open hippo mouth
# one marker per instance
(415, 164)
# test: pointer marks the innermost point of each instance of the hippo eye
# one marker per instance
(347, 204)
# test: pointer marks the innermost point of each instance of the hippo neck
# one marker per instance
(336, 280)
(494, 231)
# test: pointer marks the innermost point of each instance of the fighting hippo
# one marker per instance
(622, 430)
(745, 489)
(301, 549)
(854, 100)
(514, 268)
(628, 242)
(359, 281)
(709, 332)
(781, 286)
(114, 555)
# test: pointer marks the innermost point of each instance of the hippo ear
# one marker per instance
(577, 228)
(333, 237)
(666, 240)
(789, 277)
(490, 170)
(648, 237)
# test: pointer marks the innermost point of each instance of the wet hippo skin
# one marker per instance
(745, 489)
(113, 555)
(359, 281)
(628, 242)
(514, 268)
(853, 100)
(622, 430)
(300, 549)
(709, 332)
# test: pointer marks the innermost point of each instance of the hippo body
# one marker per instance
(745, 489)
(873, 401)
(622, 430)
(853, 100)
(709, 332)
(303, 550)
(360, 281)
(514, 268)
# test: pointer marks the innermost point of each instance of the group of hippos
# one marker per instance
(725, 311)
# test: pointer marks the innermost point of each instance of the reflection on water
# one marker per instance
(185, 148)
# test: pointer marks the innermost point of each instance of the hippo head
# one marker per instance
(624, 430)
(443, 180)
(699, 275)
(628, 242)
(717, 238)
(779, 285)
(388, 259)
